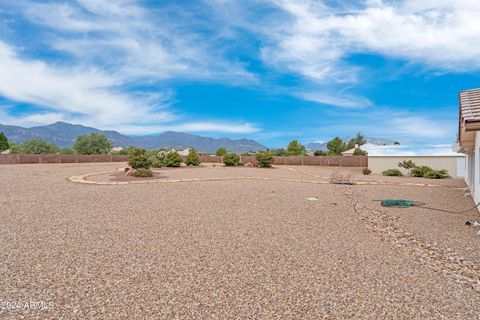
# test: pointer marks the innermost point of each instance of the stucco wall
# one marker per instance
(378, 164)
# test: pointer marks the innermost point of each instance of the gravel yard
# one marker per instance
(232, 248)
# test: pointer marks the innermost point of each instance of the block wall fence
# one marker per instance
(333, 161)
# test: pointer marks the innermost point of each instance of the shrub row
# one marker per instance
(417, 171)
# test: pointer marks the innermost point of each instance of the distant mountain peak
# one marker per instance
(64, 134)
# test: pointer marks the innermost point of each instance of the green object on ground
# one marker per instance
(398, 203)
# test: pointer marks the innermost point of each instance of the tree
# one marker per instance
(279, 152)
(3, 142)
(336, 146)
(359, 139)
(295, 148)
(359, 152)
(192, 158)
(221, 152)
(319, 153)
(93, 143)
(38, 146)
(14, 148)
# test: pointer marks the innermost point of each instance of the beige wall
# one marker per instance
(378, 164)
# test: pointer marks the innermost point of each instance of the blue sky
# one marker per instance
(270, 70)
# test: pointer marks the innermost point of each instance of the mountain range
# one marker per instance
(64, 134)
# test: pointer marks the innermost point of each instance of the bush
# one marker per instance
(436, 174)
(156, 161)
(139, 159)
(407, 164)
(265, 159)
(366, 171)
(231, 159)
(38, 146)
(143, 173)
(192, 158)
(429, 173)
(172, 159)
(94, 143)
(221, 152)
(420, 171)
(319, 153)
(392, 172)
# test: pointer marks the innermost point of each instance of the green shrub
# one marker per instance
(192, 158)
(429, 173)
(420, 171)
(319, 153)
(231, 159)
(143, 173)
(172, 159)
(221, 151)
(139, 159)
(392, 172)
(436, 174)
(407, 164)
(366, 171)
(156, 161)
(265, 159)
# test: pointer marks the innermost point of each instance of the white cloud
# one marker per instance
(134, 42)
(419, 127)
(90, 98)
(110, 47)
(314, 40)
(338, 100)
(83, 94)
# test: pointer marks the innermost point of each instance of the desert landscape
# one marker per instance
(85, 241)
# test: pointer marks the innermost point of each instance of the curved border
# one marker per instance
(84, 179)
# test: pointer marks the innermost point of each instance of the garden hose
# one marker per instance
(398, 203)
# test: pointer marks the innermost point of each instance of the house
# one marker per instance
(440, 156)
(182, 152)
(469, 138)
(117, 149)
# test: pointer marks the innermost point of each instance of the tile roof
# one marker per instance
(470, 105)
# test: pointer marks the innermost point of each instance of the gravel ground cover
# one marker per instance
(228, 249)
